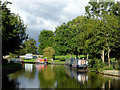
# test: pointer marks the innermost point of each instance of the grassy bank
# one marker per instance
(29, 60)
(57, 59)
(49, 61)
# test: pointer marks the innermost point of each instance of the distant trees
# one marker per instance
(46, 39)
(29, 46)
(13, 30)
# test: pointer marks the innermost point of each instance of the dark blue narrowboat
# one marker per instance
(77, 63)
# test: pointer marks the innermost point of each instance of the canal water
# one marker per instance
(56, 76)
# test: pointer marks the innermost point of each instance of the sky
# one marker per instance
(46, 14)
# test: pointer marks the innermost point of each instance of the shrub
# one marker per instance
(12, 55)
(49, 52)
(107, 68)
(61, 59)
(118, 68)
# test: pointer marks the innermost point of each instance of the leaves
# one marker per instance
(30, 46)
(49, 52)
(13, 30)
(46, 39)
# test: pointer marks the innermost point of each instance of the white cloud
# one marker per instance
(46, 14)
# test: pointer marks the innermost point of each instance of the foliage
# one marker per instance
(61, 59)
(96, 65)
(11, 55)
(13, 30)
(49, 52)
(118, 68)
(66, 39)
(22, 51)
(108, 68)
(46, 39)
(30, 46)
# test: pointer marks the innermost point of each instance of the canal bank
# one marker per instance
(110, 72)
(48, 63)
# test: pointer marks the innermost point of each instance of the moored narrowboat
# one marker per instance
(78, 63)
(42, 61)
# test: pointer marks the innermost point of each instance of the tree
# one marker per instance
(66, 38)
(13, 30)
(108, 13)
(61, 37)
(49, 52)
(46, 39)
(30, 46)
(111, 32)
(22, 51)
(97, 9)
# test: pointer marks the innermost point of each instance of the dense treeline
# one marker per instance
(14, 38)
(13, 30)
(97, 34)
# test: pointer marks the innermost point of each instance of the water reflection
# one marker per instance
(40, 67)
(79, 76)
(55, 76)
(47, 77)
(28, 67)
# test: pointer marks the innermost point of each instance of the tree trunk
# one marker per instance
(76, 55)
(108, 56)
(102, 56)
(87, 55)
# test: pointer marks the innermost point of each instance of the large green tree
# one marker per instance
(66, 39)
(61, 37)
(30, 46)
(97, 8)
(108, 13)
(13, 30)
(46, 39)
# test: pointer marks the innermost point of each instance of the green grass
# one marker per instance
(29, 60)
(58, 59)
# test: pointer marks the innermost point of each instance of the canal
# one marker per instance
(56, 76)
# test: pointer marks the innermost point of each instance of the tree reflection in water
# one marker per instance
(47, 77)
(27, 71)
(56, 76)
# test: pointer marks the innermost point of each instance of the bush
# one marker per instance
(49, 52)
(12, 55)
(96, 65)
(61, 59)
(107, 68)
(118, 68)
